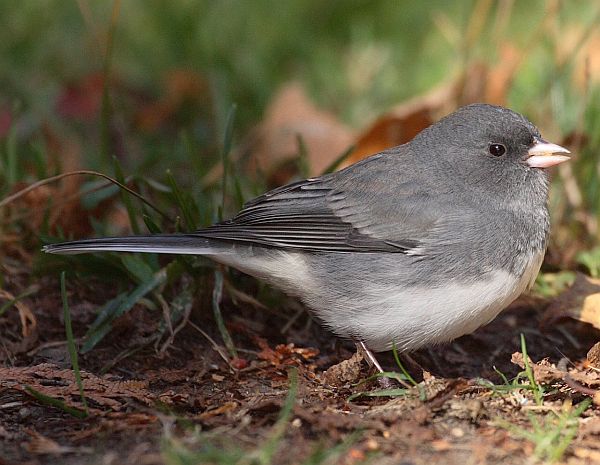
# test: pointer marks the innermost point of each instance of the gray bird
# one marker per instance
(413, 246)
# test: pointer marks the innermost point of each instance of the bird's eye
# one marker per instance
(497, 149)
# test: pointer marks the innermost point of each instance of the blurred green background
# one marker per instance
(152, 83)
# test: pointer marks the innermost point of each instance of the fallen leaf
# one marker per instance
(28, 320)
(402, 123)
(543, 371)
(29, 333)
(221, 410)
(581, 302)
(290, 114)
(271, 150)
(183, 96)
(592, 455)
(347, 371)
(239, 363)
(593, 355)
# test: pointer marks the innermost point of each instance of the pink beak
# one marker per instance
(544, 154)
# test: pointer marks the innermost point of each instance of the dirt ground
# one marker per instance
(148, 407)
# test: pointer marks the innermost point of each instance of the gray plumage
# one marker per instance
(415, 245)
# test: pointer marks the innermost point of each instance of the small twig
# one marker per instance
(166, 312)
(215, 346)
(292, 320)
(182, 324)
(576, 386)
(49, 345)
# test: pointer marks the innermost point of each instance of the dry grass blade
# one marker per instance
(11, 198)
(28, 320)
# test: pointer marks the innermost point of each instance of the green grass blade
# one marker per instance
(303, 161)
(137, 267)
(180, 305)
(151, 225)
(402, 369)
(118, 307)
(71, 341)
(537, 390)
(184, 202)
(11, 158)
(60, 404)
(216, 305)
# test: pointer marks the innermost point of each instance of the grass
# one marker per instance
(57, 403)
(71, 341)
(536, 389)
(551, 434)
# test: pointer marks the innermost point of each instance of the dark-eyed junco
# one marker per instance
(415, 245)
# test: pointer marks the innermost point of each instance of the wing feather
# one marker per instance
(353, 210)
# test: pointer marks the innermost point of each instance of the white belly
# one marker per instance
(379, 314)
(416, 317)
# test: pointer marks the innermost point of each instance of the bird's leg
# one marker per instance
(384, 381)
(370, 356)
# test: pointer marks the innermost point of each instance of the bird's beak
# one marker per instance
(544, 154)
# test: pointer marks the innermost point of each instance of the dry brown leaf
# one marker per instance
(543, 371)
(82, 100)
(284, 354)
(500, 77)
(347, 371)
(394, 128)
(581, 302)
(182, 88)
(60, 383)
(29, 333)
(403, 122)
(590, 455)
(273, 145)
(292, 113)
(593, 356)
(220, 410)
(479, 83)
(590, 378)
(28, 320)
